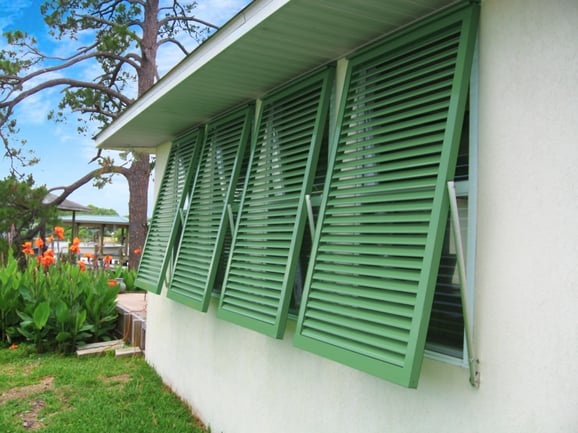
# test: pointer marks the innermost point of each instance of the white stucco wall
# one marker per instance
(526, 299)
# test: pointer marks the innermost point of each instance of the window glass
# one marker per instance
(446, 328)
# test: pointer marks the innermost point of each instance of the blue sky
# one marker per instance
(64, 154)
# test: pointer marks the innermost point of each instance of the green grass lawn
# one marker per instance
(99, 394)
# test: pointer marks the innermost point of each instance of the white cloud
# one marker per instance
(219, 11)
(216, 12)
(34, 109)
(11, 12)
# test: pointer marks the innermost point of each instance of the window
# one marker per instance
(207, 220)
(446, 325)
(166, 220)
(369, 287)
(265, 247)
(445, 338)
(364, 282)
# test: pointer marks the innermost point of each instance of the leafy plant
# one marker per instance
(128, 276)
(10, 300)
(56, 306)
(34, 327)
(101, 308)
(72, 328)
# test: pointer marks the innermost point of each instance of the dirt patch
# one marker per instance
(121, 378)
(7, 371)
(45, 384)
(29, 418)
(13, 371)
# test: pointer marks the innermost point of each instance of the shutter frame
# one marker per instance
(246, 309)
(166, 220)
(197, 295)
(359, 346)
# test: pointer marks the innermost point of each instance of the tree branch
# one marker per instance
(67, 190)
(106, 22)
(128, 59)
(66, 82)
(176, 42)
(172, 19)
(96, 110)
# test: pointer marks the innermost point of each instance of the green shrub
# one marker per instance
(101, 307)
(11, 300)
(128, 276)
(33, 327)
(56, 306)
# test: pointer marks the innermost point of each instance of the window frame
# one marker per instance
(324, 340)
(468, 189)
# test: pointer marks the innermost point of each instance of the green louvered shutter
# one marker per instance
(207, 220)
(269, 230)
(165, 222)
(373, 269)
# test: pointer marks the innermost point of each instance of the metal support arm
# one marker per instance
(473, 360)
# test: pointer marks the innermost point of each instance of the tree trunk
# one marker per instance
(138, 180)
(149, 45)
(139, 172)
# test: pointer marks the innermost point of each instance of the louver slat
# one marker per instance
(261, 270)
(207, 222)
(165, 222)
(374, 261)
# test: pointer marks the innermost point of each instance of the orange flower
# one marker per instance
(74, 248)
(88, 255)
(13, 346)
(47, 260)
(27, 248)
(137, 251)
(50, 239)
(108, 259)
(81, 265)
(39, 243)
(59, 232)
